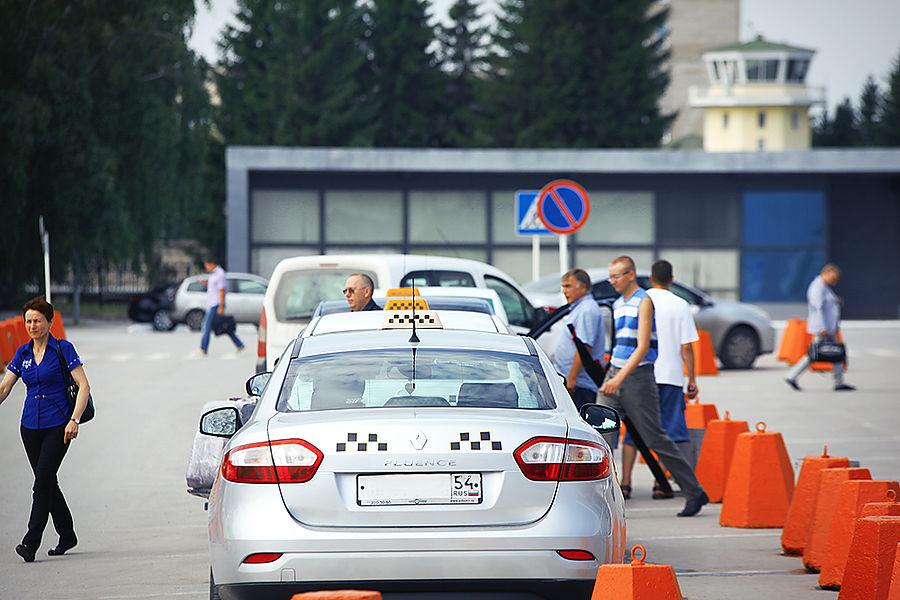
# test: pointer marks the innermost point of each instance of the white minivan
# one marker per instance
(298, 285)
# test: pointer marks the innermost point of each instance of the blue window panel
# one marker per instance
(778, 275)
(784, 219)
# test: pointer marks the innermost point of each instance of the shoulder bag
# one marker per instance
(72, 389)
(827, 350)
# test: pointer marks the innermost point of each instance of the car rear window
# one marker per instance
(406, 377)
(434, 278)
(299, 292)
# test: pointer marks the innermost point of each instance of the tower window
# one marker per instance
(724, 120)
(761, 117)
(795, 120)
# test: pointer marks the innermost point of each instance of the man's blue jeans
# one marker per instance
(207, 329)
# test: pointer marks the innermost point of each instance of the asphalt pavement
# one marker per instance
(142, 536)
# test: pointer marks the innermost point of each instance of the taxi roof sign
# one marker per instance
(406, 303)
(404, 291)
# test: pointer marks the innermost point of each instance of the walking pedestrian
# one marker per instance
(630, 386)
(215, 302)
(48, 424)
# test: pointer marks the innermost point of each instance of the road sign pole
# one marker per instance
(563, 253)
(535, 257)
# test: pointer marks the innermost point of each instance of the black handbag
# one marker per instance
(827, 350)
(223, 324)
(72, 389)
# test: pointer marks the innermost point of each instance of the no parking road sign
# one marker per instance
(563, 206)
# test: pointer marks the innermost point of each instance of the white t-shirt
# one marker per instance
(674, 327)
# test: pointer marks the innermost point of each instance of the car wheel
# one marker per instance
(194, 319)
(740, 348)
(162, 320)
(213, 590)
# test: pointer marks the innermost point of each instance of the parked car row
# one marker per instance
(170, 304)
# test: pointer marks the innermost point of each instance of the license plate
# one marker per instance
(418, 488)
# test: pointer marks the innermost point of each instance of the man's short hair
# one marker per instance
(580, 276)
(661, 272)
(625, 261)
(830, 267)
(367, 281)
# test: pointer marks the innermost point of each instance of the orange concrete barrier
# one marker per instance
(696, 416)
(823, 517)
(636, 581)
(852, 496)
(894, 592)
(57, 329)
(794, 341)
(704, 355)
(7, 346)
(803, 503)
(17, 328)
(870, 563)
(880, 509)
(716, 454)
(338, 595)
(760, 481)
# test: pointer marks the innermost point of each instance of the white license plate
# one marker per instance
(418, 488)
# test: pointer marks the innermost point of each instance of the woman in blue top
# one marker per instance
(48, 425)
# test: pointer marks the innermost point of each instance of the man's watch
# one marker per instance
(77, 422)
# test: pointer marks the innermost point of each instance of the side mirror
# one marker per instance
(256, 384)
(221, 422)
(602, 418)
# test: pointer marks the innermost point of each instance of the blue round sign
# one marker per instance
(563, 206)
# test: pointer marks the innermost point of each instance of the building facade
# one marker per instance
(749, 226)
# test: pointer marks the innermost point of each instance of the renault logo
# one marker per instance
(419, 441)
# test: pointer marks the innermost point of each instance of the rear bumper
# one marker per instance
(440, 589)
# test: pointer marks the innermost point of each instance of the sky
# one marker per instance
(852, 38)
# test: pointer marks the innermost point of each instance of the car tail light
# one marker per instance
(261, 558)
(560, 459)
(281, 461)
(574, 555)
(261, 332)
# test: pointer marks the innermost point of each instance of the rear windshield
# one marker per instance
(299, 292)
(405, 377)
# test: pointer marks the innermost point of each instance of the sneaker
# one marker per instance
(198, 353)
(792, 383)
(240, 349)
(843, 387)
(693, 506)
(25, 552)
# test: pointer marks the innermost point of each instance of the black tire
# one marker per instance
(162, 320)
(213, 590)
(739, 348)
(194, 319)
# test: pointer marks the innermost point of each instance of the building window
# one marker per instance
(761, 117)
(771, 70)
(363, 216)
(447, 217)
(796, 70)
(761, 145)
(724, 120)
(795, 120)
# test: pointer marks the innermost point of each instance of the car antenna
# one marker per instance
(413, 339)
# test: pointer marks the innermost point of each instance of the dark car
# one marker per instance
(154, 306)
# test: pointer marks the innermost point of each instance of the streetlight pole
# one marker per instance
(45, 242)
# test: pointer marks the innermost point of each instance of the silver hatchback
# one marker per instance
(446, 464)
(243, 299)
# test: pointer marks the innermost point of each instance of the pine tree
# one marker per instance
(291, 73)
(573, 74)
(889, 121)
(841, 131)
(869, 109)
(407, 88)
(463, 53)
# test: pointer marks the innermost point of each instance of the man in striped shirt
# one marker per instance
(630, 385)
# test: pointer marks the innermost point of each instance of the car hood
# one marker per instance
(385, 442)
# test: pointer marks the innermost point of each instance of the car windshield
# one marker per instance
(410, 377)
(299, 292)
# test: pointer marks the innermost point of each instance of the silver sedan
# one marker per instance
(444, 462)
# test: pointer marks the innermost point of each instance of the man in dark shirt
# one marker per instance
(358, 291)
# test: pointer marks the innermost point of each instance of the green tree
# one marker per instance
(889, 125)
(406, 86)
(869, 109)
(104, 119)
(579, 74)
(292, 74)
(462, 56)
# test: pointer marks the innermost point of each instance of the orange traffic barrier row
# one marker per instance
(823, 518)
(870, 563)
(637, 580)
(852, 496)
(716, 454)
(760, 481)
(803, 504)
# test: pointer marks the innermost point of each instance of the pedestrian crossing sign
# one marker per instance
(527, 220)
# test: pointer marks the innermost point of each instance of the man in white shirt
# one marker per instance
(215, 303)
(675, 330)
